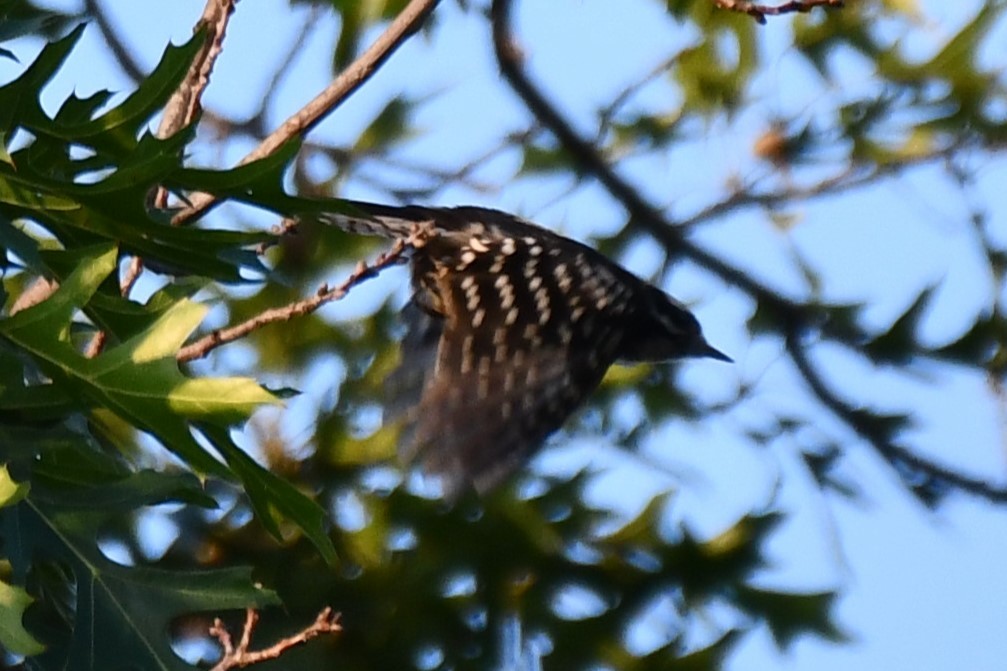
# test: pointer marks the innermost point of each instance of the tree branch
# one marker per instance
(363, 272)
(125, 58)
(873, 432)
(237, 657)
(348, 81)
(760, 12)
(853, 177)
(183, 105)
(179, 111)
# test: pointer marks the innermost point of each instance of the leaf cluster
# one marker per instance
(74, 199)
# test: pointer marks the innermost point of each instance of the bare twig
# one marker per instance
(211, 341)
(849, 179)
(760, 12)
(326, 622)
(184, 102)
(608, 113)
(258, 120)
(440, 178)
(96, 345)
(348, 81)
(132, 273)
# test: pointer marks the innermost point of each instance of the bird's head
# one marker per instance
(667, 330)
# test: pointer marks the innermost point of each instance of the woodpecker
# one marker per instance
(510, 328)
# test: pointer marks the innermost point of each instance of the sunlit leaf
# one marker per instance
(13, 636)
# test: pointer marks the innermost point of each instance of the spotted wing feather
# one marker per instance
(510, 366)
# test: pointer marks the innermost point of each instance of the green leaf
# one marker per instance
(388, 127)
(139, 380)
(21, 18)
(708, 658)
(114, 209)
(642, 530)
(20, 97)
(10, 492)
(125, 318)
(258, 182)
(766, 319)
(115, 132)
(122, 613)
(789, 615)
(75, 110)
(44, 181)
(537, 159)
(36, 402)
(118, 493)
(4, 154)
(14, 239)
(727, 559)
(268, 491)
(13, 636)
(976, 345)
(711, 81)
(881, 427)
(898, 344)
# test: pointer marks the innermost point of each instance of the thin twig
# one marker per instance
(132, 274)
(284, 67)
(237, 657)
(608, 113)
(460, 176)
(348, 81)
(363, 272)
(849, 179)
(760, 12)
(184, 103)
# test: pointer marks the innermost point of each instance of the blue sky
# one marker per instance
(921, 590)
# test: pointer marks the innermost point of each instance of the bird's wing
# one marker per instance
(510, 367)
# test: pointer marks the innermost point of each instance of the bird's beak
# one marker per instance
(711, 352)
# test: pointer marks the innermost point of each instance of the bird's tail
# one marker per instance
(388, 221)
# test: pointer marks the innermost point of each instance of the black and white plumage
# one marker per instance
(511, 327)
